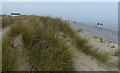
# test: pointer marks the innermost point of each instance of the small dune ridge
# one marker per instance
(39, 43)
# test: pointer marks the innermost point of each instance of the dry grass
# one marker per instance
(41, 38)
(46, 51)
(10, 61)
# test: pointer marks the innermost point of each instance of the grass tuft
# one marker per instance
(10, 61)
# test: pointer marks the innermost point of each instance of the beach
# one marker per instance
(101, 32)
(94, 34)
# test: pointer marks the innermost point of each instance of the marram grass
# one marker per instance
(46, 51)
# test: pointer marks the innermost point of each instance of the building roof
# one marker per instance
(15, 13)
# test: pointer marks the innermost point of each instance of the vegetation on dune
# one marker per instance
(6, 21)
(10, 61)
(117, 52)
(46, 51)
(100, 55)
(80, 30)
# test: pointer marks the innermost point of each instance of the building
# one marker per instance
(15, 14)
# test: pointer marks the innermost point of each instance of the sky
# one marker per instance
(104, 11)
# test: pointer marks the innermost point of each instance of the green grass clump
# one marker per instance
(101, 40)
(10, 60)
(80, 30)
(1, 54)
(96, 37)
(117, 52)
(80, 42)
(15, 29)
(7, 21)
(99, 55)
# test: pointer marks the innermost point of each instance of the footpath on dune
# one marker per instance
(81, 61)
(84, 62)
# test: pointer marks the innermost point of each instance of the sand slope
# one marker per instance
(84, 62)
(104, 46)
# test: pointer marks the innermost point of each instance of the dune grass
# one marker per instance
(10, 61)
(46, 51)
(41, 38)
(82, 44)
(0, 54)
(7, 21)
(99, 55)
(80, 30)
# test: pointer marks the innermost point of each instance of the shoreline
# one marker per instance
(104, 47)
(101, 32)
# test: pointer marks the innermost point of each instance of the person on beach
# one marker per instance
(97, 23)
(100, 24)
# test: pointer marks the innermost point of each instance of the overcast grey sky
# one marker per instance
(80, 11)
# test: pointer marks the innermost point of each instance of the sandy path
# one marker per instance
(104, 46)
(3, 31)
(18, 45)
(83, 62)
